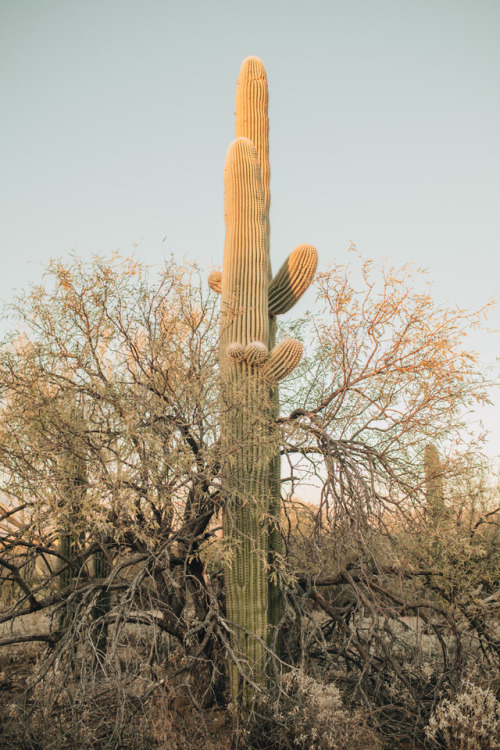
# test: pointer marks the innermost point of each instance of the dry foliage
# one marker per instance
(469, 722)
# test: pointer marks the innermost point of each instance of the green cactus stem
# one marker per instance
(72, 490)
(252, 122)
(244, 320)
(434, 493)
(69, 547)
(251, 367)
(102, 605)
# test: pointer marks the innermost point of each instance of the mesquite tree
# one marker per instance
(251, 367)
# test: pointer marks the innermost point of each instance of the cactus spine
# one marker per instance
(251, 366)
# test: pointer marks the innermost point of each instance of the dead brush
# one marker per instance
(470, 721)
(310, 714)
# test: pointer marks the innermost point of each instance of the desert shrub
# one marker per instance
(369, 608)
(315, 716)
(470, 721)
(310, 714)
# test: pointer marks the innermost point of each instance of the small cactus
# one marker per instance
(251, 366)
(434, 494)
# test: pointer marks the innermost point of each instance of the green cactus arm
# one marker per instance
(283, 359)
(292, 279)
(215, 281)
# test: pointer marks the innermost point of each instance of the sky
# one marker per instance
(384, 132)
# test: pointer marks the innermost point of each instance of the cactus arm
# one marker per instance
(255, 353)
(215, 281)
(283, 359)
(236, 351)
(292, 279)
(245, 270)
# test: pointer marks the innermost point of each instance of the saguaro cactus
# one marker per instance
(102, 605)
(72, 490)
(251, 366)
(434, 493)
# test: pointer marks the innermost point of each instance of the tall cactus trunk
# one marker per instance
(252, 122)
(245, 412)
(69, 548)
(434, 494)
(251, 366)
(71, 536)
(102, 605)
(70, 545)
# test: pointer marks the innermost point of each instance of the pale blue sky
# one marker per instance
(385, 122)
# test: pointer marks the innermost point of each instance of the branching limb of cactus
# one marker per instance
(292, 280)
(215, 281)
